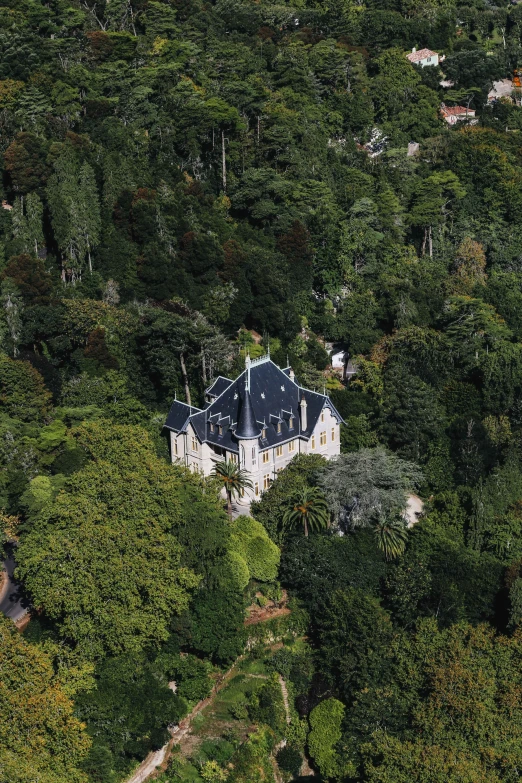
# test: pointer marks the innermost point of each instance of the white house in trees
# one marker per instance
(262, 420)
(423, 57)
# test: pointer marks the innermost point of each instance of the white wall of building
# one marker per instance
(262, 465)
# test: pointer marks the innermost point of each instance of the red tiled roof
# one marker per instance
(448, 111)
(415, 57)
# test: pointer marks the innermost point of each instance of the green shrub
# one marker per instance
(239, 710)
(267, 706)
(251, 762)
(262, 557)
(192, 677)
(325, 724)
(289, 760)
(217, 625)
(250, 540)
(236, 574)
(217, 750)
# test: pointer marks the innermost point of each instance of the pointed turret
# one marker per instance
(247, 427)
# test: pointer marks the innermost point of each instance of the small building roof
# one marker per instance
(422, 54)
(456, 111)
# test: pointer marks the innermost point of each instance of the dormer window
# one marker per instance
(211, 427)
(279, 428)
(291, 423)
(263, 433)
(220, 430)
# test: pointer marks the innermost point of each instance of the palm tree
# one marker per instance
(309, 509)
(391, 535)
(234, 480)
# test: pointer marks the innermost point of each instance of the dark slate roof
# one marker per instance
(274, 400)
(247, 426)
(218, 386)
(179, 415)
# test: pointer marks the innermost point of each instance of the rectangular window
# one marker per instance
(233, 457)
(323, 438)
(279, 451)
(263, 433)
(211, 427)
(254, 453)
(266, 480)
(322, 416)
(278, 427)
(266, 456)
(194, 443)
(220, 430)
(256, 488)
(333, 433)
(291, 446)
(291, 423)
(313, 441)
(176, 446)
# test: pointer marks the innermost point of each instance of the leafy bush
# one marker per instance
(217, 625)
(267, 706)
(325, 724)
(236, 575)
(289, 760)
(250, 540)
(217, 750)
(192, 675)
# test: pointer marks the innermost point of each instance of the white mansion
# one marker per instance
(263, 419)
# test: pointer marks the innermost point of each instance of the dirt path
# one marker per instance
(284, 691)
(159, 758)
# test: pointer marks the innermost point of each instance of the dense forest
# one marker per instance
(187, 181)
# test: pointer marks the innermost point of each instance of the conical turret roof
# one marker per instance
(247, 427)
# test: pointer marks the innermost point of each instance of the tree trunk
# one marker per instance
(223, 161)
(204, 367)
(229, 504)
(424, 242)
(430, 237)
(306, 528)
(185, 378)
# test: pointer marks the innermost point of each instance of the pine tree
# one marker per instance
(89, 210)
(34, 222)
(62, 197)
(27, 219)
(75, 212)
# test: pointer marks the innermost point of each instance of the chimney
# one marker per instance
(291, 374)
(304, 418)
(247, 372)
(414, 50)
